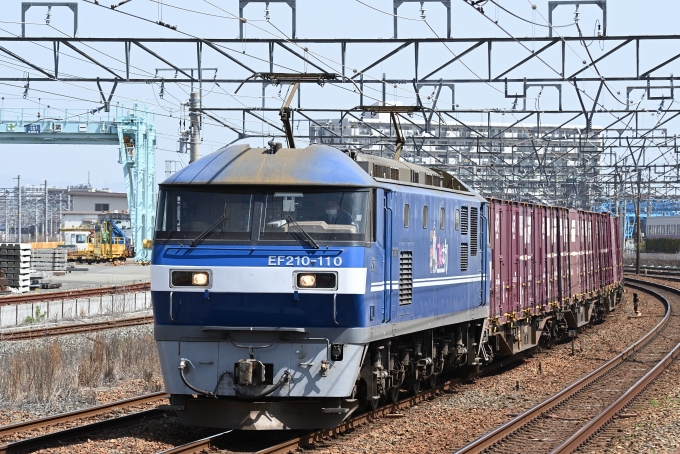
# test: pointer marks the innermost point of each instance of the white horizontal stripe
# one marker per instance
(258, 279)
(430, 282)
(443, 278)
(466, 279)
(380, 286)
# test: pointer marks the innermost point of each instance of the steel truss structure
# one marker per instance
(131, 127)
(612, 148)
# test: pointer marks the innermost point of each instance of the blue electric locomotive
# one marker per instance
(290, 286)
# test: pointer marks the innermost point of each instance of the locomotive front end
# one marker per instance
(259, 273)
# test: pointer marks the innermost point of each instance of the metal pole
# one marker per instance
(19, 209)
(624, 219)
(35, 227)
(637, 226)
(61, 213)
(45, 224)
(195, 132)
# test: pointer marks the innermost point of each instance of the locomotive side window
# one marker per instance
(457, 219)
(424, 216)
(442, 218)
(407, 215)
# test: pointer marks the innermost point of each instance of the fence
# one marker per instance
(652, 259)
(74, 308)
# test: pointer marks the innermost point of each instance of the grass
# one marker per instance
(58, 369)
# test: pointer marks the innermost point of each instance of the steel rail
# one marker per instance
(35, 333)
(68, 294)
(487, 441)
(36, 442)
(201, 446)
(582, 436)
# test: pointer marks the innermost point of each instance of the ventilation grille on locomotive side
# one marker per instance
(473, 230)
(405, 277)
(463, 220)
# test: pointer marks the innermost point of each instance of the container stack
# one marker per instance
(3, 283)
(48, 259)
(15, 263)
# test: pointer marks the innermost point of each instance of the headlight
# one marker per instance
(316, 280)
(199, 279)
(190, 278)
(306, 280)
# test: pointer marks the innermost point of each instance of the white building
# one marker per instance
(88, 204)
(546, 163)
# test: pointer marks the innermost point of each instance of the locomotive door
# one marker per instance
(389, 253)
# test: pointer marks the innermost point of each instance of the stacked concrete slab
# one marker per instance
(15, 262)
(48, 259)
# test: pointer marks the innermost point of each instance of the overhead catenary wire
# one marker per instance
(374, 98)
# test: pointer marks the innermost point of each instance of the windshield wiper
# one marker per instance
(309, 239)
(207, 231)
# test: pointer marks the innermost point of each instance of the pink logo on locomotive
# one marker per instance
(439, 253)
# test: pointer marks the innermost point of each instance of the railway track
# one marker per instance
(567, 420)
(308, 439)
(55, 437)
(71, 294)
(35, 333)
(641, 353)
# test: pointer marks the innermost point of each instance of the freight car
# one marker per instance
(290, 286)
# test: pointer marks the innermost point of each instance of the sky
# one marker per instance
(65, 165)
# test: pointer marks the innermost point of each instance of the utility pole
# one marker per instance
(35, 226)
(637, 224)
(45, 222)
(195, 132)
(19, 209)
(6, 237)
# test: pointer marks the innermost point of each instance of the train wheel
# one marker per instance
(372, 403)
(415, 387)
(393, 395)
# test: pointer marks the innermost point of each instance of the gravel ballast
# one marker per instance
(442, 425)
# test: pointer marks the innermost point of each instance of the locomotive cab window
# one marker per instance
(323, 216)
(424, 216)
(184, 214)
(407, 215)
(231, 214)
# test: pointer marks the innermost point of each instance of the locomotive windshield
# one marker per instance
(184, 214)
(325, 216)
(272, 215)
